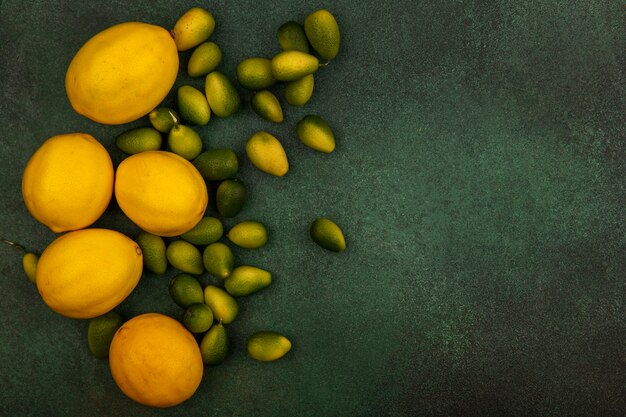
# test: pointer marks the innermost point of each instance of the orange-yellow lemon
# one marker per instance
(155, 360)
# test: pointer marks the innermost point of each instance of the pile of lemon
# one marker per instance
(120, 75)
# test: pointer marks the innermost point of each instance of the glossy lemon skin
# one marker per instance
(155, 361)
(122, 73)
(86, 273)
(161, 192)
(68, 182)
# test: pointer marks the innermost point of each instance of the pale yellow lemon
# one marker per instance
(161, 192)
(68, 182)
(87, 273)
(122, 73)
(155, 361)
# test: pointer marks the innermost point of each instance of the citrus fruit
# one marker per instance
(29, 263)
(204, 59)
(193, 28)
(122, 73)
(214, 345)
(140, 139)
(87, 273)
(155, 361)
(223, 305)
(153, 249)
(268, 346)
(245, 280)
(185, 290)
(207, 231)
(163, 119)
(184, 141)
(100, 333)
(328, 235)
(267, 154)
(68, 182)
(185, 257)
(248, 234)
(229, 197)
(218, 260)
(198, 318)
(161, 192)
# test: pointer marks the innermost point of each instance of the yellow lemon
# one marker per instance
(155, 360)
(87, 273)
(161, 192)
(122, 73)
(68, 182)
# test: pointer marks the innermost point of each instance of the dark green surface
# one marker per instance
(478, 178)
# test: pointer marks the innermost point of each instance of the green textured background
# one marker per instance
(478, 176)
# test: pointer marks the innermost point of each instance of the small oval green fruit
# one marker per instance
(29, 263)
(198, 318)
(184, 141)
(322, 31)
(299, 92)
(193, 28)
(214, 345)
(204, 59)
(223, 305)
(185, 290)
(100, 333)
(266, 105)
(248, 234)
(217, 164)
(193, 106)
(246, 280)
(153, 250)
(185, 257)
(267, 154)
(293, 65)
(138, 140)
(255, 73)
(163, 119)
(315, 133)
(291, 37)
(328, 235)
(268, 346)
(230, 197)
(218, 260)
(208, 230)
(223, 98)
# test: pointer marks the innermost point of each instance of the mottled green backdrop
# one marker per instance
(479, 178)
